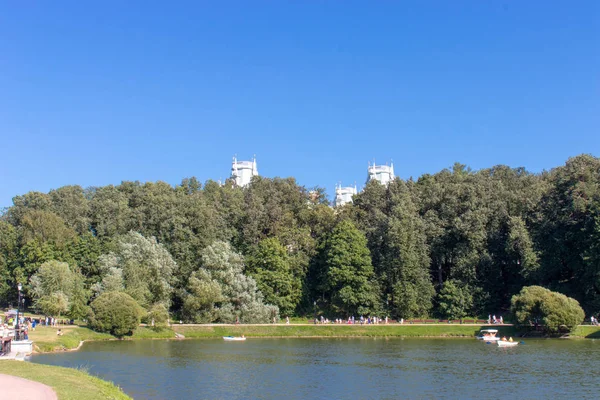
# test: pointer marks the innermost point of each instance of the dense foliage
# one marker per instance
(116, 313)
(455, 243)
(535, 305)
(57, 290)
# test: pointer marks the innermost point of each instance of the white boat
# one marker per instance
(488, 335)
(233, 338)
(506, 343)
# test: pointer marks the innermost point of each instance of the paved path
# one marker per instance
(23, 389)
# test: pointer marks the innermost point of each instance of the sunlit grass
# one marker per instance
(45, 338)
(337, 330)
(588, 331)
(68, 383)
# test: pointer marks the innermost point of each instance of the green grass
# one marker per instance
(587, 331)
(46, 340)
(148, 333)
(336, 331)
(68, 383)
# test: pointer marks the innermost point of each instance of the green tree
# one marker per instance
(147, 269)
(371, 214)
(55, 303)
(45, 226)
(158, 316)
(8, 260)
(567, 231)
(56, 289)
(239, 296)
(70, 203)
(116, 313)
(203, 293)
(350, 277)
(113, 278)
(23, 204)
(455, 299)
(406, 258)
(535, 305)
(270, 266)
(85, 250)
(110, 213)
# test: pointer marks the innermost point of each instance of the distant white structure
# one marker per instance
(343, 195)
(243, 171)
(384, 174)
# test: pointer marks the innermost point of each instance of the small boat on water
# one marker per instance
(488, 335)
(506, 343)
(234, 338)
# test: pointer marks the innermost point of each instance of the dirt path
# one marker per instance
(23, 389)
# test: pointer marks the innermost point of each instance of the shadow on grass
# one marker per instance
(594, 335)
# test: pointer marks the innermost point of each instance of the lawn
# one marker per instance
(69, 384)
(587, 331)
(446, 330)
(45, 338)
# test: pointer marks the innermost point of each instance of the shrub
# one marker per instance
(116, 313)
(537, 305)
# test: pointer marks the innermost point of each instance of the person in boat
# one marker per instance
(504, 338)
(510, 339)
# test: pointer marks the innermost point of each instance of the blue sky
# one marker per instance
(93, 94)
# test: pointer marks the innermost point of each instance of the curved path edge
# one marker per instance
(14, 387)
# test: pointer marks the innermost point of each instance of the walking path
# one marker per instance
(23, 389)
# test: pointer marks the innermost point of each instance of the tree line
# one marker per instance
(452, 244)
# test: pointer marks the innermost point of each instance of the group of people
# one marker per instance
(594, 320)
(24, 324)
(493, 320)
(27, 324)
(351, 320)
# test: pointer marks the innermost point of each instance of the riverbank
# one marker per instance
(423, 330)
(586, 331)
(68, 383)
(46, 340)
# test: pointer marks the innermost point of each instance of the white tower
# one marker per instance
(243, 171)
(384, 174)
(343, 195)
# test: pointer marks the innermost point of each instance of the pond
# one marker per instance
(343, 368)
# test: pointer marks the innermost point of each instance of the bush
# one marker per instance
(536, 305)
(116, 313)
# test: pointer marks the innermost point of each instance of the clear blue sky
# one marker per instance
(93, 93)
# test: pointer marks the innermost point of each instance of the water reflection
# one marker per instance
(341, 368)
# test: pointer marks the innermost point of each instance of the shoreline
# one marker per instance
(76, 336)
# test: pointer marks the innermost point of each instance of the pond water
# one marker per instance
(364, 368)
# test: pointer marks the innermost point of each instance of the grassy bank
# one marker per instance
(335, 330)
(587, 331)
(68, 383)
(46, 340)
